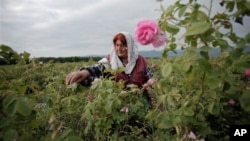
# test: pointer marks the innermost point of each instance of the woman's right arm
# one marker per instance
(77, 76)
(87, 74)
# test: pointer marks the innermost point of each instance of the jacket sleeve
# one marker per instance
(149, 73)
(96, 71)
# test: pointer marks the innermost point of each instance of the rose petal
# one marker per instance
(159, 40)
(231, 102)
(192, 135)
(149, 24)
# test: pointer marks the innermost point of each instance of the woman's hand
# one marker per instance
(149, 83)
(77, 76)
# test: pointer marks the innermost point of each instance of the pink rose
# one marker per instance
(160, 40)
(192, 136)
(148, 32)
(231, 102)
(247, 72)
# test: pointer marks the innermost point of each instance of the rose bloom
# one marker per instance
(192, 136)
(247, 72)
(146, 31)
(159, 40)
(231, 102)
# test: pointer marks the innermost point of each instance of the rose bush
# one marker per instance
(148, 31)
(247, 72)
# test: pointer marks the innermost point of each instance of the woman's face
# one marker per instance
(121, 50)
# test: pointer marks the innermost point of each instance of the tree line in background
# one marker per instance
(8, 56)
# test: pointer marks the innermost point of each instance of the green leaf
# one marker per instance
(214, 82)
(197, 28)
(223, 16)
(230, 6)
(239, 20)
(213, 108)
(8, 99)
(195, 98)
(204, 54)
(210, 107)
(162, 85)
(236, 54)
(108, 107)
(167, 69)
(24, 106)
(204, 64)
(218, 35)
(247, 5)
(233, 37)
(247, 38)
(152, 114)
(234, 91)
(170, 101)
(223, 44)
(201, 16)
(182, 10)
(5, 121)
(10, 135)
(74, 86)
(245, 101)
(188, 112)
(11, 109)
(241, 66)
(165, 122)
(73, 138)
(190, 54)
(169, 10)
(177, 120)
(172, 46)
(22, 89)
(66, 133)
(171, 28)
(186, 66)
(68, 100)
(200, 117)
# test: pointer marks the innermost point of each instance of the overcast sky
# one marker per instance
(60, 28)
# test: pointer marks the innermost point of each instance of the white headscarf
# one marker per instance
(116, 63)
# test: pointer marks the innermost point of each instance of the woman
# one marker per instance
(124, 53)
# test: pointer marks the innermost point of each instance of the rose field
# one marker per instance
(197, 97)
(36, 105)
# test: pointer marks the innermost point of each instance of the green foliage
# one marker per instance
(36, 105)
(12, 57)
(113, 113)
(195, 88)
(193, 92)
